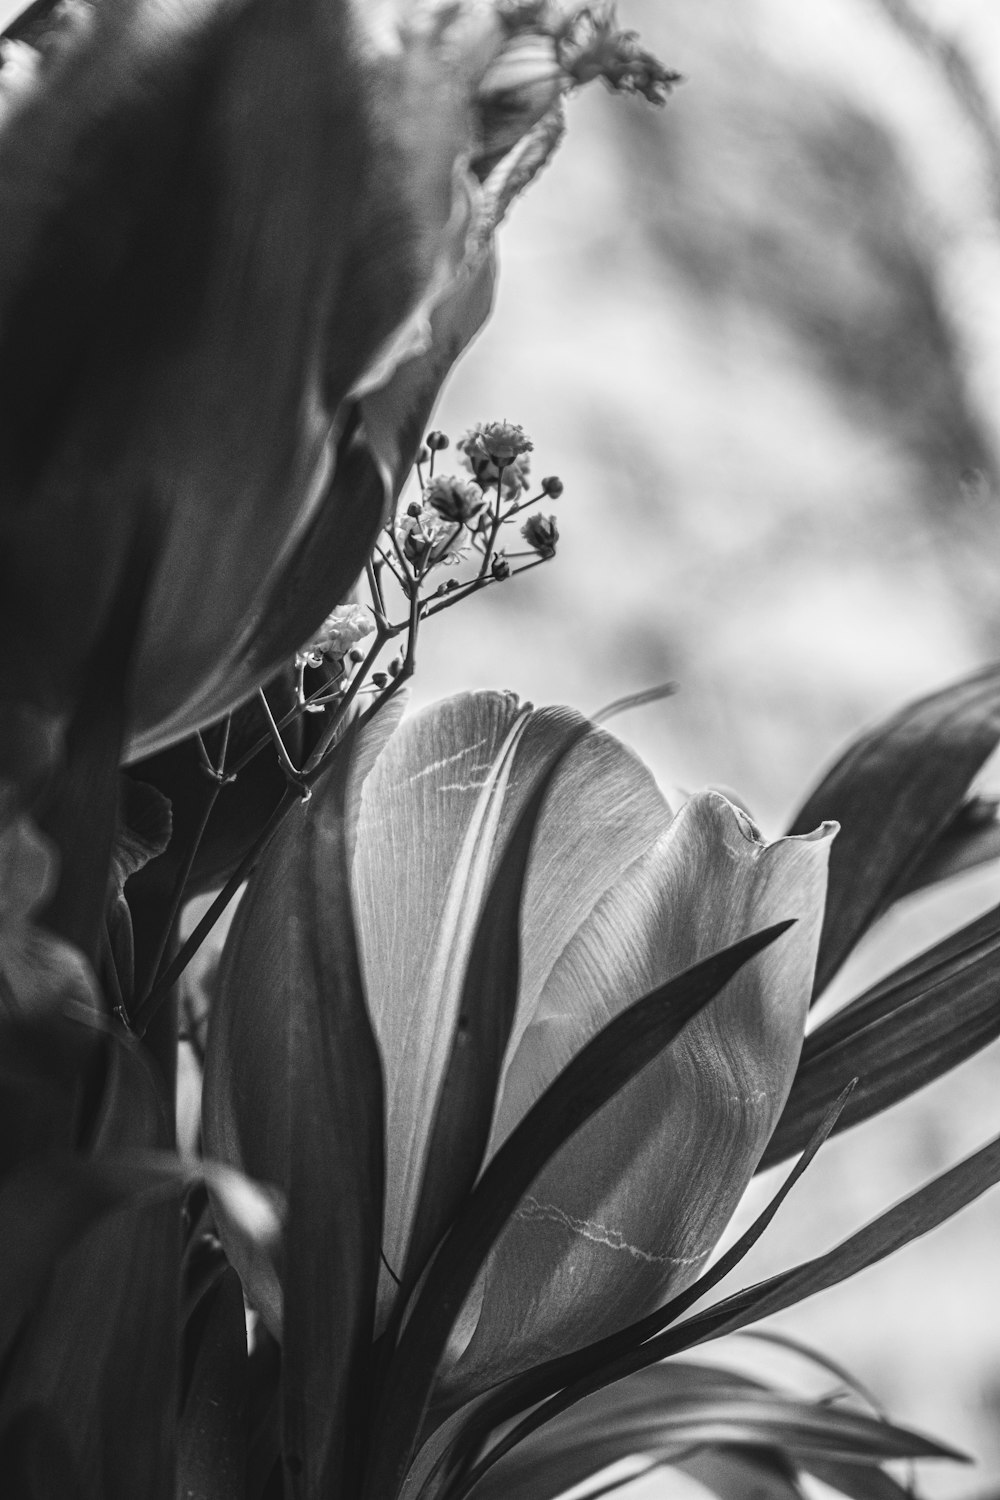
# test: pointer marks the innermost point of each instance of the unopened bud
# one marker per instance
(423, 456)
(356, 656)
(552, 486)
(501, 569)
(379, 679)
(395, 666)
(414, 510)
(436, 441)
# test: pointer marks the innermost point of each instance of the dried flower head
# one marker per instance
(592, 46)
(348, 624)
(541, 533)
(456, 499)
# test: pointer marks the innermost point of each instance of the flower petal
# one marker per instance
(631, 1207)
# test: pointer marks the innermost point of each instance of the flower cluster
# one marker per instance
(342, 629)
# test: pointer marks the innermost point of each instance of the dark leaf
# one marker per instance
(667, 1410)
(212, 1436)
(907, 1030)
(116, 1287)
(894, 792)
(293, 1093)
(631, 1040)
(907, 1220)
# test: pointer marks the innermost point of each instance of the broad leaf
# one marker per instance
(905, 1031)
(593, 1077)
(486, 1010)
(213, 1429)
(433, 821)
(628, 1212)
(118, 1371)
(293, 1093)
(894, 792)
(577, 1375)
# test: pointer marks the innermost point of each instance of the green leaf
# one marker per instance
(857, 1481)
(628, 1212)
(894, 792)
(293, 1093)
(118, 1371)
(914, 1216)
(579, 1374)
(668, 1410)
(212, 1434)
(905, 1031)
(595, 1074)
(434, 818)
(487, 1005)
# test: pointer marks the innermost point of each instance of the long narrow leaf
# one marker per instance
(668, 1410)
(594, 1075)
(904, 1032)
(212, 1434)
(894, 792)
(914, 1216)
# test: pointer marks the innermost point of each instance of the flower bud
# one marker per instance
(500, 568)
(437, 441)
(542, 533)
(552, 486)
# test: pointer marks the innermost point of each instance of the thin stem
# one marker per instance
(180, 885)
(151, 1004)
(326, 739)
(284, 759)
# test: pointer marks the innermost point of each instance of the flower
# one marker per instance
(454, 498)
(591, 45)
(512, 476)
(542, 533)
(620, 894)
(427, 537)
(343, 628)
(499, 442)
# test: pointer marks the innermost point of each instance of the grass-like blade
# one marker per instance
(907, 1220)
(894, 792)
(907, 1030)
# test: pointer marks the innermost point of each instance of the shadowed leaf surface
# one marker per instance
(905, 1031)
(894, 792)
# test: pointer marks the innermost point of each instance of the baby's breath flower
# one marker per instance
(458, 500)
(342, 629)
(501, 442)
(427, 537)
(487, 472)
(541, 533)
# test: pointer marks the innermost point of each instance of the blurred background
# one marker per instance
(758, 336)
